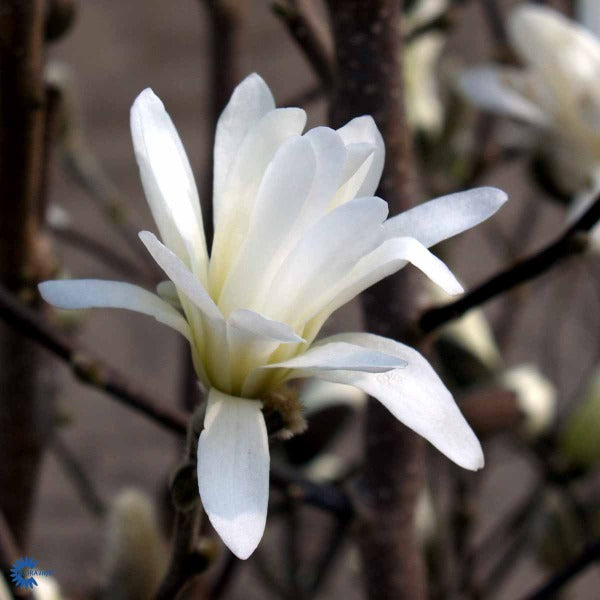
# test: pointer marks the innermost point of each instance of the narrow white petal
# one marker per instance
(445, 217)
(324, 255)
(388, 258)
(280, 201)
(250, 101)
(364, 130)
(342, 356)
(96, 293)
(359, 159)
(164, 168)
(331, 155)
(415, 253)
(233, 470)
(262, 327)
(180, 275)
(415, 395)
(243, 181)
(490, 88)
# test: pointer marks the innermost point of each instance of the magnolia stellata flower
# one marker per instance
(557, 90)
(298, 233)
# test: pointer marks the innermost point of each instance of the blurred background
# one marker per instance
(112, 52)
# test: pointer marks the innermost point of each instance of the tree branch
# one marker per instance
(88, 370)
(186, 560)
(589, 556)
(368, 41)
(308, 37)
(571, 242)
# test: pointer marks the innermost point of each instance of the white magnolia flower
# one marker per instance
(298, 233)
(557, 90)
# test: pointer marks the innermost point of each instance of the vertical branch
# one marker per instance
(368, 40)
(26, 409)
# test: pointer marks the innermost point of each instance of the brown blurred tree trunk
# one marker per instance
(368, 42)
(26, 406)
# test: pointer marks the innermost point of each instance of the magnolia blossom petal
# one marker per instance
(388, 258)
(342, 356)
(364, 130)
(96, 293)
(447, 216)
(256, 324)
(490, 89)
(415, 395)
(331, 154)
(180, 275)
(251, 100)
(417, 254)
(359, 159)
(243, 181)
(233, 470)
(324, 255)
(548, 41)
(165, 169)
(280, 201)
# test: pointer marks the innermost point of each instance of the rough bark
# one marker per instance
(368, 40)
(25, 406)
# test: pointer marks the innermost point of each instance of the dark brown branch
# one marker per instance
(186, 560)
(77, 474)
(308, 37)
(88, 370)
(549, 590)
(368, 42)
(24, 255)
(495, 21)
(320, 495)
(573, 241)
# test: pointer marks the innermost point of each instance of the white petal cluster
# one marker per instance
(298, 233)
(557, 90)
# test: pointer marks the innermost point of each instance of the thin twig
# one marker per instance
(90, 371)
(571, 242)
(226, 576)
(589, 556)
(308, 37)
(77, 474)
(331, 551)
(186, 560)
